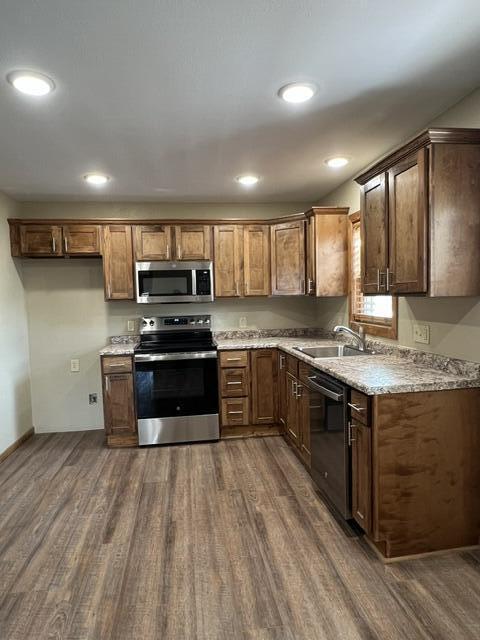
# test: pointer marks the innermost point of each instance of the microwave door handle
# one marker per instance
(194, 282)
(338, 397)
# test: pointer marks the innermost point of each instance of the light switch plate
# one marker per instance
(421, 333)
(130, 325)
(75, 365)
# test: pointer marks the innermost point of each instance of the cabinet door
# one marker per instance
(193, 242)
(282, 390)
(263, 363)
(256, 255)
(374, 230)
(153, 242)
(119, 404)
(304, 421)
(361, 474)
(118, 262)
(292, 409)
(408, 215)
(288, 258)
(310, 256)
(40, 240)
(81, 240)
(228, 245)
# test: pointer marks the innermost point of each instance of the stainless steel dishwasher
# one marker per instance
(329, 433)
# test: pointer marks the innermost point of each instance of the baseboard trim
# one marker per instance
(9, 450)
(249, 431)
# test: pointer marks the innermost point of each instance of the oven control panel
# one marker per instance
(169, 323)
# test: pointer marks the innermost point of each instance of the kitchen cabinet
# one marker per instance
(288, 258)
(118, 262)
(193, 242)
(361, 444)
(153, 242)
(298, 407)
(40, 240)
(256, 255)
(293, 431)
(234, 382)
(264, 376)
(242, 260)
(228, 261)
(327, 251)
(282, 390)
(119, 401)
(419, 217)
(234, 412)
(81, 240)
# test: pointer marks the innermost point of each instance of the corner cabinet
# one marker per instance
(288, 258)
(420, 217)
(118, 262)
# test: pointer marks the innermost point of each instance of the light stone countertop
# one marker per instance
(120, 349)
(373, 375)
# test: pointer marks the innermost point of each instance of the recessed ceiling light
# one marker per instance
(297, 92)
(97, 179)
(31, 82)
(247, 180)
(337, 162)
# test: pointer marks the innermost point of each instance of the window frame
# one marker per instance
(386, 328)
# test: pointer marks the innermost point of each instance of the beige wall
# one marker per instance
(454, 323)
(15, 408)
(68, 317)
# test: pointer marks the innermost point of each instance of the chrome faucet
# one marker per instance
(359, 337)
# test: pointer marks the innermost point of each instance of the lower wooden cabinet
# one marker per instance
(282, 390)
(234, 412)
(118, 262)
(263, 365)
(360, 437)
(119, 401)
(298, 416)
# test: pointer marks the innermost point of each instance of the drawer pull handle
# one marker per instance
(116, 364)
(356, 407)
(234, 413)
(240, 382)
(233, 359)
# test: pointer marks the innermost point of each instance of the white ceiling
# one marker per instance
(174, 98)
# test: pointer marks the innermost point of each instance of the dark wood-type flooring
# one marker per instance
(225, 540)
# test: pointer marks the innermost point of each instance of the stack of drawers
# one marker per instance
(234, 387)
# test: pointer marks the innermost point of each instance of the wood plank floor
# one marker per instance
(225, 540)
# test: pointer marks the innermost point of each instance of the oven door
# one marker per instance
(158, 282)
(176, 397)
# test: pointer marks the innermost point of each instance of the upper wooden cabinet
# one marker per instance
(228, 246)
(81, 240)
(420, 217)
(179, 242)
(327, 251)
(118, 262)
(193, 242)
(153, 242)
(288, 258)
(40, 240)
(256, 256)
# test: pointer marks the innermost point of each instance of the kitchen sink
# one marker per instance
(340, 351)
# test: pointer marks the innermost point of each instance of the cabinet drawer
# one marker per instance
(234, 383)
(116, 364)
(234, 411)
(304, 370)
(360, 407)
(292, 365)
(232, 359)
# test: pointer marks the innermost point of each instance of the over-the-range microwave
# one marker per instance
(158, 282)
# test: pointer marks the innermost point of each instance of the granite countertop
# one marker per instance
(374, 374)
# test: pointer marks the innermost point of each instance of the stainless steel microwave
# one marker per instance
(158, 282)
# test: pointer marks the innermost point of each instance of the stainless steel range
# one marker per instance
(176, 380)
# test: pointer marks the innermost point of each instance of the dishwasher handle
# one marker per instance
(338, 397)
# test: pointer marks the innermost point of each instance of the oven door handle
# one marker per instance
(163, 357)
(338, 397)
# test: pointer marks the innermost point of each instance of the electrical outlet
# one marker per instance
(243, 322)
(130, 325)
(75, 365)
(421, 333)
(92, 398)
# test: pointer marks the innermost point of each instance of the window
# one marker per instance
(377, 314)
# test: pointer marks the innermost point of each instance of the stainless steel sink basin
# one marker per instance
(340, 351)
